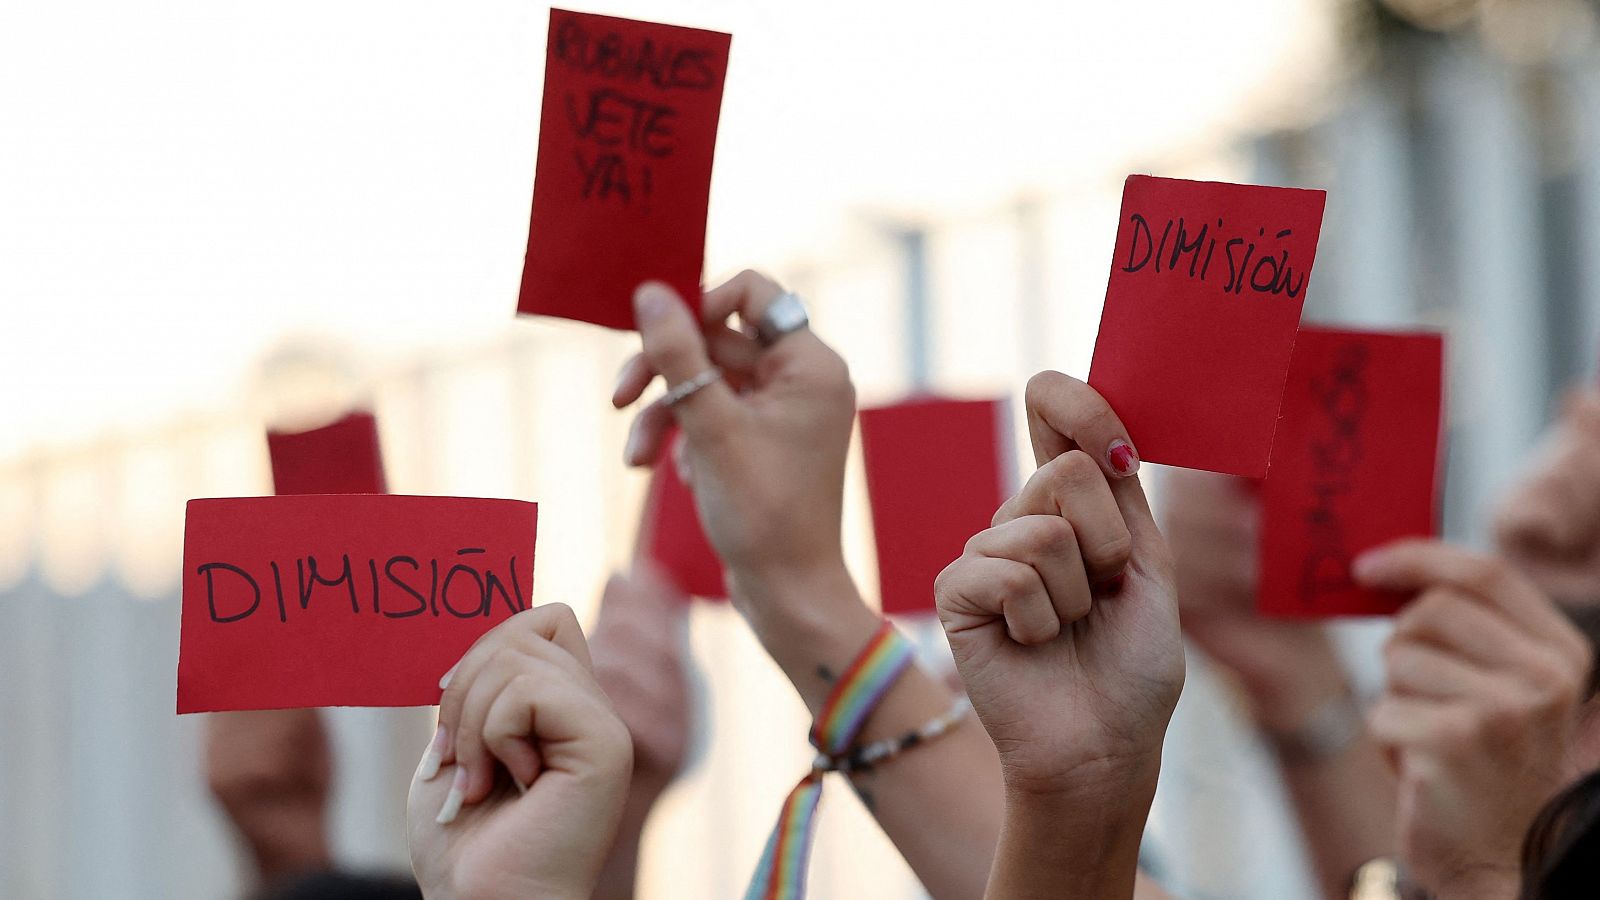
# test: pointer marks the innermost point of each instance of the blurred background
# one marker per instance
(216, 216)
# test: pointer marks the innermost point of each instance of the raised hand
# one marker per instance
(764, 448)
(1064, 625)
(1485, 677)
(520, 792)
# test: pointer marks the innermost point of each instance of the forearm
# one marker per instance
(1085, 847)
(941, 802)
(1345, 805)
(620, 870)
(1341, 790)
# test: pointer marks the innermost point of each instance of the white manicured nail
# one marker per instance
(444, 680)
(452, 800)
(433, 756)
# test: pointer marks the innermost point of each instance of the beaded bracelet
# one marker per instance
(866, 756)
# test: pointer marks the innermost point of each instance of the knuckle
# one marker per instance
(1052, 535)
(1098, 418)
(751, 278)
(1069, 473)
(1042, 387)
(558, 615)
(1013, 581)
(945, 583)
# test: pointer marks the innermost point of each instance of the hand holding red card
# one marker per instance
(1354, 466)
(354, 600)
(342, 457)
(626, 134)
(1207, 282)
(936, 473)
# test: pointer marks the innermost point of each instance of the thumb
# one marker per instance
(1147, 536)
(676, 348)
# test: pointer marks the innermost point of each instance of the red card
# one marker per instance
(1354, 466)
(1207, 281)
(935, 476)
(341, 458)
(623, 180)
(672, 537)
(343, 600)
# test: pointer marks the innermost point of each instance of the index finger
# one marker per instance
(1066, 414)
(1415, 564)
(748, 293)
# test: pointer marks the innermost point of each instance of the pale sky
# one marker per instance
(184, 183)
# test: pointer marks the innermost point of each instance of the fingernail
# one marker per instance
(433, 756)
(650, 301)
(1365, 565)
(444, 680)
(630, 450)
(1122, 457)
(521, 788)
(452, 800)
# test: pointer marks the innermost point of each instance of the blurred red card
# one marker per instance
(340, 458)
(936, 473)
(1207, 282)
(621, 187)
(1354, 466)
(343, 600)
(672, 537)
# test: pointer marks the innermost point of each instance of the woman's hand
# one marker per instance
(520, 792)
(1485, 677)
(1062, 616)
(764, 449)
(1064, 626)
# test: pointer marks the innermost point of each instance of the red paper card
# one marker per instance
(343, 600)
(339, 458)
(672, 537)
(1207, 281)
(1354, 466)
(620, 191)
(935, 476)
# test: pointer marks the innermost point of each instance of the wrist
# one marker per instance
(1285, 704)
(1320, 730)
(1109, 786)
(796, 603)
(1086, 842)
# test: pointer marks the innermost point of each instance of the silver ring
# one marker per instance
(784, 315)
(687, 389)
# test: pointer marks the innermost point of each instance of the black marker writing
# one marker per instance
(622, 128)
(1335, 453)
(1186, 248)
(468, 589)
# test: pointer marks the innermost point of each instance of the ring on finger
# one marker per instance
(783, 316)
(686, 389)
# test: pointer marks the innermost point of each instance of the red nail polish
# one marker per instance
(1111, 586)
(1124, 461)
